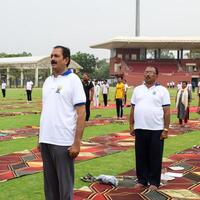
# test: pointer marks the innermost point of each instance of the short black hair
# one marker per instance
(85, 73)
(65, 52)
(184, 82)
(156, 69)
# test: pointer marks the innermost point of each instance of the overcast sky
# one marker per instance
(37, 25)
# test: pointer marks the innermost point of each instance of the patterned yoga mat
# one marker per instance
(103, 121)
(5, 114)
(18, 133)
(28, 162)
(186, 187)
(28, 131)
(192, 109)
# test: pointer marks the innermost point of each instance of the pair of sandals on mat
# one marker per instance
(88, 178)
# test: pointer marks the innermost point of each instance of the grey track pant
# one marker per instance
(58, 172)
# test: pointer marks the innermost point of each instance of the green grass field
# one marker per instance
(31, 187)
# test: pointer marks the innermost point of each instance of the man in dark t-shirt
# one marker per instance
(89, 91)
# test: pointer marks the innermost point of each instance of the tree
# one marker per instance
(87, 61)
(102, 70)
(23, 54)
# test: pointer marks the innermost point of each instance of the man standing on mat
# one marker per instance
(198, 93)
(96, 94)
(61, 126)
(29, 88)
(3, 88)
(149, 122)
(119, 97)
(89, 92)
(105, 91)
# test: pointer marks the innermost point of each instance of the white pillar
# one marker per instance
(36, 76)
(8, 77)
(22, 77)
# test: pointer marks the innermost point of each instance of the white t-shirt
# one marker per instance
(3, 86)
(29, 85)
(189, 86)
(105, 88)
(125, 87)
(96, 90)
(199, 87)
(58, 120)
(149, 102)
(179, 86)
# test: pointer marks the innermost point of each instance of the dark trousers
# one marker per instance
(58, 172)
(87, 109)
(125, 99)
(4, 92)
(187, 112)
(29, 95)
(149, 151)
(105, 99)
(119, 107)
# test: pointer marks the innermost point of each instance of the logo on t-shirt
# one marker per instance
(154, 92)
(58, 89)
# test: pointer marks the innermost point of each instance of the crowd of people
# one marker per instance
(93, 90)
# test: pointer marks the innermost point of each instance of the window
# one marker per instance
(133, 57)
(119, 55)
(127, 57)
(117, 67)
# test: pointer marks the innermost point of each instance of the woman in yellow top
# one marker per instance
(119, 97)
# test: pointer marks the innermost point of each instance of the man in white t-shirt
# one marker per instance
(61, 126)
(198, 89)
(149, 122)
(198, 93)
(189, 86)
(96, 94)
(29, 87)
(105, 91)
(179, 86)
(125, 92)
(3, 88)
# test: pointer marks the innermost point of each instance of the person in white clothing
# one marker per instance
(149, 122)
(179, 86)
(125, 92)
(105, 92)
(198, 93)
(29, 87)
(3, 88)
(96, 94)
(61, 126)
(189, 86)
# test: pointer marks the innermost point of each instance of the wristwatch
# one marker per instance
(165, 129)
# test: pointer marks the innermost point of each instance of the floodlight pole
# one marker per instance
(137, 19)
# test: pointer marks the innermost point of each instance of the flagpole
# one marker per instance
(137, 19)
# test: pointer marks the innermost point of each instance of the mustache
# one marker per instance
(53, 62)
